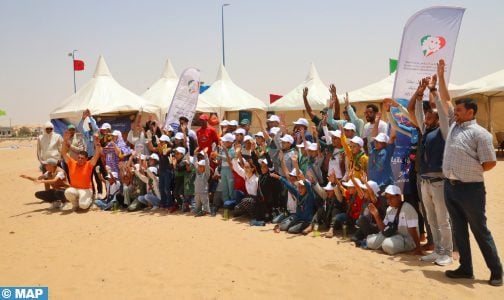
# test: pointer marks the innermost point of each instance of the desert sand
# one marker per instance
(105, 255)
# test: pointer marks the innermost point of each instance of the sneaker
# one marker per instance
(56, 204)
(459, 273)
(154, 208)
(444, 260)
(430, 258)
(495, 280)
(201, 214)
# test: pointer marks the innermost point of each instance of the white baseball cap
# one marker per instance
(247, 138)
(260, 133)
(392, 190)
(381, 137)
(350, 183)
(240, 131)
(233, 123)
(274, 130)
(202, 163)
(287, 138)
(350, 126)
(263, 161)
(273, 118)
(301, 121)
(329, 187)
(302, 144)
(179, 136)
(374, 186)
(224, 123)
(228, 137)
(164, 138)
(335, 133)
(293, 172)
(154, 156)
(153, 170)
(313, 147)
(169, 128)
(106, 126)
(300, 182)
(180, 150)
(357, 140)
(143, 157)
(116, 133)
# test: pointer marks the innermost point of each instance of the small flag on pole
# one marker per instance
(274, 98)
(392, 65)
(78, 65)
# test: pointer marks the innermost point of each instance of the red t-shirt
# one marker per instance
(80, 176)
(355, 207)
(206, 137)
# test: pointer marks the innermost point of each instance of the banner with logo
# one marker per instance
(428, 36)
(185, 98)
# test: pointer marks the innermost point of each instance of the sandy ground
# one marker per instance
(105, 255)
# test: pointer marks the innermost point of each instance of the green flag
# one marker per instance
(392, 65)
(2, 113)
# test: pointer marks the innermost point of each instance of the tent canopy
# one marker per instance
(380, 90)
(161, 93)
(491, 85)
(102, 95)
(318, 94)
(224, 95)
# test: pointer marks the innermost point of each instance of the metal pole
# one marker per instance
(73, 66)
(222, 24)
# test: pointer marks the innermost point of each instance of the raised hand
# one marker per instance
(373, 210)
(347, 100)
(441, 68)
(305, 93)
(377, 117)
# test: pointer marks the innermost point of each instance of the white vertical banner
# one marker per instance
(185, 98)
(428, 36)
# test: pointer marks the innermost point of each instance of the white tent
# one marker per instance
(161, 92)
(224, 95)
(377, 91)
(102, 95)
(318, 94)
(488, 91)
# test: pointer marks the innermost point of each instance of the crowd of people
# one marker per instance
(335, 175)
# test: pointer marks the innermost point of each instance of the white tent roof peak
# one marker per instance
(223, 74)
(101, 68)
(169, 71)
(313, 74)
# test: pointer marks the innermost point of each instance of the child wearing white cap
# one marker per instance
(202, 206)
(380, 154)
(179, 167)
(354, 152)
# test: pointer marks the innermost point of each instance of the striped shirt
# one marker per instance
(468, 145)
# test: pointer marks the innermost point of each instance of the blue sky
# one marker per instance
(269, 44)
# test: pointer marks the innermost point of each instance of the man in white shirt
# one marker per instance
(370, 113)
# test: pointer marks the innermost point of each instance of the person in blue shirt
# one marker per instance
(380, 154)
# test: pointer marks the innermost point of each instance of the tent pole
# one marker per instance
(490, 125)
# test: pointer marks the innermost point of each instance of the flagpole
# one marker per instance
(73, 66)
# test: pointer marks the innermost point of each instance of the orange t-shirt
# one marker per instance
(80, 176)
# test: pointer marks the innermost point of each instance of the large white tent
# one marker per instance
(488, 91)
(224, 95)
(160, 94)
(102, 95)
(318, 94)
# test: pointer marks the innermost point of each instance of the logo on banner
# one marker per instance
(432, 44)
(193, 86)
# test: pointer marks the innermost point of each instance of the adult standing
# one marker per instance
(207, 135)
(468, 153)
(367, 133)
